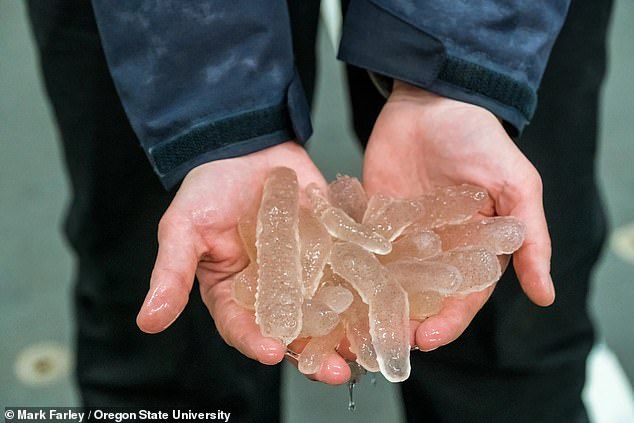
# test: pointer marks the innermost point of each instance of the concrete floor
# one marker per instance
(36, 266)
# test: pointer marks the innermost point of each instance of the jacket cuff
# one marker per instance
(382, 43)
(233, 136)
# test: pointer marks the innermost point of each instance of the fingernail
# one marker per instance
(431, 338)
(431, 335)
(336, 369)
(157, 301)
(159, 309)
(270, 352)
(551, 287)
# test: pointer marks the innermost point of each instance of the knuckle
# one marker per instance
(171, 224)
(531, 180)
(523, 184)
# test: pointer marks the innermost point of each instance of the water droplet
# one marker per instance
(356, 373)
(351, 404)
(292, 354)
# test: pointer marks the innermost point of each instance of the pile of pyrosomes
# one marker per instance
(359, 268)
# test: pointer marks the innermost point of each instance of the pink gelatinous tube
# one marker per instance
(479, 267)
(357, 325)
(500, 235)
(418, 276)
(337, 298)
(343, 227)
(420, 245)
(302, 283)
(278, 305)
(389, 327)
(315, 245)
(348, 194)
(330, 278)
(317, 199)
(359, 268)
(244, 286)
(390, 216)
(450, 205)
(319, 319)
(388, 307)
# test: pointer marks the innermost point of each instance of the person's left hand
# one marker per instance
(422, 140)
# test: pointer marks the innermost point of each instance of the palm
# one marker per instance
(420, 141)
(198, 237)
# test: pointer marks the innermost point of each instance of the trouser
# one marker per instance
(516, 362)
(528, 363)
(111, 225)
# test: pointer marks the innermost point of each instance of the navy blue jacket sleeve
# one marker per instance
(202, 80)
(485, 52)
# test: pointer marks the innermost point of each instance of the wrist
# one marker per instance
(403, 90)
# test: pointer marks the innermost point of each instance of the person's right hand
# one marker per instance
(198, 237)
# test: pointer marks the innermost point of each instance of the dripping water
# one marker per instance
(292, 354)
(351, 404)
(356, 372)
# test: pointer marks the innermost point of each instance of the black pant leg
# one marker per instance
(111, 224)
(518, 362)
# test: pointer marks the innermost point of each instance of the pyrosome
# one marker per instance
(358, 268)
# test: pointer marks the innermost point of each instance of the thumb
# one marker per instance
(532, 260)
(172, 277)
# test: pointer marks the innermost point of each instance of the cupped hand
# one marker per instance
(421, 140)
(198, 237)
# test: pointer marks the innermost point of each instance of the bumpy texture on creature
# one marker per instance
(358, 268)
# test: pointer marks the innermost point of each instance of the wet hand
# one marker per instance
(422, 140)
(198, 237)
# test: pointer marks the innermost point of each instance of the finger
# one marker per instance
(171, 280)
(333, 371)
(453, 319)
(532, 260)
(413, 326)
(237, 325)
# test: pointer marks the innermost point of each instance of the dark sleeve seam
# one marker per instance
(435, 87)
(498, 87)
(218, 134)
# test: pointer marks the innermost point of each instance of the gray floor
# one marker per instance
(36, 267)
